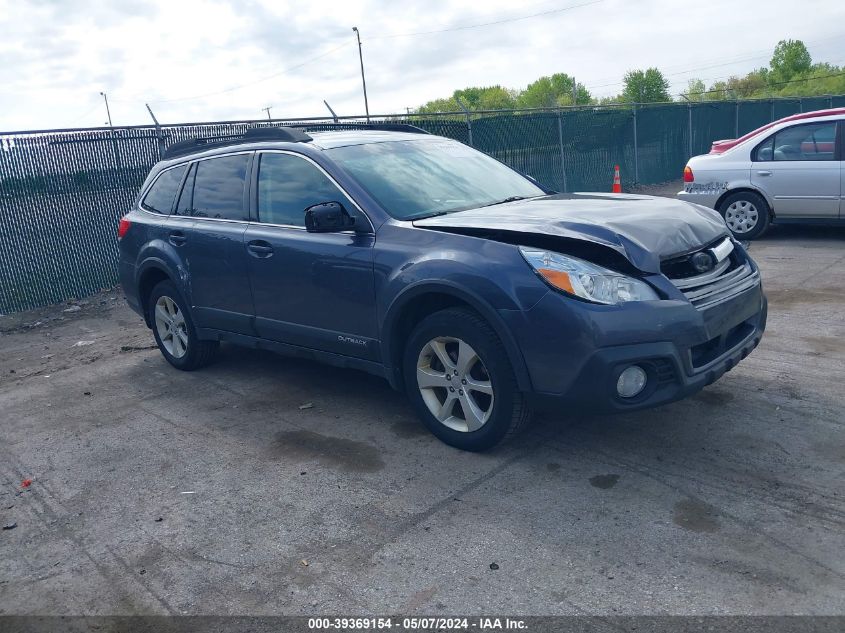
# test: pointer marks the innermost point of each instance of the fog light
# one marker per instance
(631, 381)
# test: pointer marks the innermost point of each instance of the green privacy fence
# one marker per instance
(63, 191)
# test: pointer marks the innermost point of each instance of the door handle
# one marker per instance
(764, 172)
(259, 248)
(177, 238)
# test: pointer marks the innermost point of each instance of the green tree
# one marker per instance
(645, 86)
(695, 90)
(439, 105)
(488, 98)
(790, 59)
(556, 90)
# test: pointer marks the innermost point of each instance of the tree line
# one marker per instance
(790, 73)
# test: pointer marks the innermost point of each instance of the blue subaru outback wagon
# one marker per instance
(462, 282)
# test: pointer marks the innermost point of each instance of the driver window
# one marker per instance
(288, 184)
(805, 142)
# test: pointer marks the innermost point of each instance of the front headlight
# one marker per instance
(586, 280)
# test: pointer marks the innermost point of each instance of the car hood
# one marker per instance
(643, 229)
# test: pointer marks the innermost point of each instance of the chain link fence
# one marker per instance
(63, 191)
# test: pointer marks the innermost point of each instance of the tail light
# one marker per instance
(688, 177)
(123, 227)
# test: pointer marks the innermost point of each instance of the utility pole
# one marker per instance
(363, 80)
(108, 112)
(267, 110)
(574, 92)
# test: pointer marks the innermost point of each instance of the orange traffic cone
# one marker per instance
(617, 180)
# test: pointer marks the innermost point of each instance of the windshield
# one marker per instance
(416, 179)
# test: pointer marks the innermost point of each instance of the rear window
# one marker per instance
(219, 188)
(159, 198)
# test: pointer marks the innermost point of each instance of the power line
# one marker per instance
(257, 81)
(483, 24)
(781, 83)
(735, 60)
(86, 113)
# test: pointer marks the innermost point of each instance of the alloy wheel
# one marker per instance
(454, 384)
(171, 327)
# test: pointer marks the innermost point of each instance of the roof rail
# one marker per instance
(384, 127)
(193, 145)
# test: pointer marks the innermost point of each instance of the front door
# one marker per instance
(315, 290)
(210, 220)
(798, 168)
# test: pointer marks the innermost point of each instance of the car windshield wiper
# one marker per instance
(425, 216)
(510, 199)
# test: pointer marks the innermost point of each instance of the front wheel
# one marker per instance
(174, 330)
(460, 381)
(746, 214)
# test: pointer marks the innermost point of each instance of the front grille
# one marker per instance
(729, 278)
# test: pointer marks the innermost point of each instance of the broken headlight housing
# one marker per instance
(586, 280)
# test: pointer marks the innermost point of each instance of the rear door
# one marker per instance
(209, 223)
(314, 290)
(799, 169)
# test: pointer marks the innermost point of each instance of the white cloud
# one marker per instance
(58, 55)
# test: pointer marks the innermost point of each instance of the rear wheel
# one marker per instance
(174, 330)
(460, 381)
(746, 214)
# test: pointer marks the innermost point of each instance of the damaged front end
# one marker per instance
(654, 299)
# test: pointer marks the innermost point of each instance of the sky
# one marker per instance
(207, 60)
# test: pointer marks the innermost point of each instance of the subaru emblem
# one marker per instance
(702, 262)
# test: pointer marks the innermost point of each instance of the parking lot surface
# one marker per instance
(269, 485)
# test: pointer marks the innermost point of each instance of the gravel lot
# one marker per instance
(221, 492)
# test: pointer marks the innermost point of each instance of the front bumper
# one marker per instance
(575, 351)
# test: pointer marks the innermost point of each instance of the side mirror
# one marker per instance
(328, 217)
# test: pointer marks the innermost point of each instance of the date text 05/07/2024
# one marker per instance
(418, 623)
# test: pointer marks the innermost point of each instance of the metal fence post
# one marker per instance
(560, 140)
(736, 119)
(689, 124)
(468, 120)
(159, 135)
(636, 150)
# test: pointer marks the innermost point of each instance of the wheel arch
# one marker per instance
(150, 274)
(749, 189)
(418, 302)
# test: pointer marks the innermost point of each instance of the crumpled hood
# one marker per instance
(644, 229)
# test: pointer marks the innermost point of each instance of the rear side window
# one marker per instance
(816, 141)
(159, 198)
(219, 188)
(287, 185)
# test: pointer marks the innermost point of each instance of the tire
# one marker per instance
(746, 213)
(468, 419)
(174, 329)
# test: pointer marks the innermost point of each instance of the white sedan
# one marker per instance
(787, 171)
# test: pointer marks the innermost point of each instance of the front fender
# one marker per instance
(393, 316)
